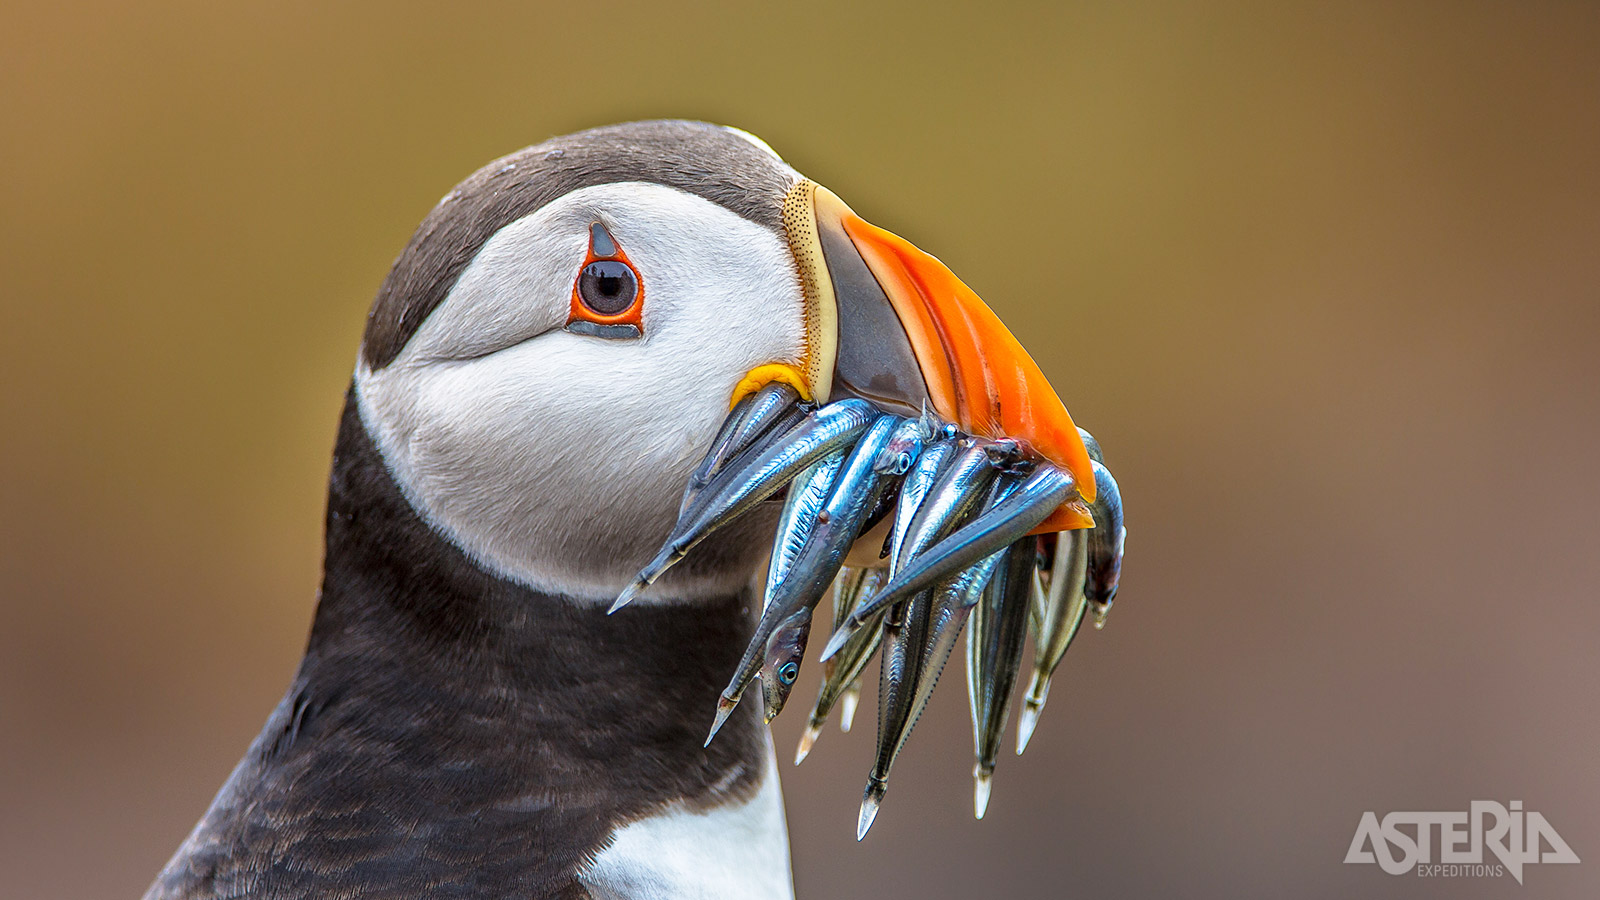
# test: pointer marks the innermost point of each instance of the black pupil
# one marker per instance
(788, 672)
(607, 286)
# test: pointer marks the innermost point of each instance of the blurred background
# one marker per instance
(1324, 281)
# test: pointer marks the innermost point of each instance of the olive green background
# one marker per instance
(1323, 279)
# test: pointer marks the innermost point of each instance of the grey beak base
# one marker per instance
(875, 361)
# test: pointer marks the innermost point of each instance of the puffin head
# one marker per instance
(554, 349)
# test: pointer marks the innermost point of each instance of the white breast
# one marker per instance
(737, 852)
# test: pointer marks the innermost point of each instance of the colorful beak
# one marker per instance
(908, 332)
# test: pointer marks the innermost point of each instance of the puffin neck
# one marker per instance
(398, 594)
(429, 682)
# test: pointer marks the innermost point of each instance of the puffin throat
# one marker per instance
(440, 707)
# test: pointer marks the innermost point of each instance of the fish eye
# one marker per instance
(607, 286)
(892, 462)
(788, 672)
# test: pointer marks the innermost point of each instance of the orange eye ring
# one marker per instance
(600, 279)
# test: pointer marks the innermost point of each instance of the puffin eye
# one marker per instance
(607, 297)
(607, 286)
(788, 672)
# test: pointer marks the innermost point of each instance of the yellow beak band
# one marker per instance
(761, 376)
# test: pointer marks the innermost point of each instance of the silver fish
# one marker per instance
(904, 629)
(781, 668)
(913, 490)
(959, 485)
(997, 527)
(852, 693)
(855, 493)
(905, 445)
(1106, 540)
(1058, 610)
(780, 637)
(774, 408)
(746, 482)
(994, 650)
(952, 600)
(841, 675)
(904, 450)
(807, 494)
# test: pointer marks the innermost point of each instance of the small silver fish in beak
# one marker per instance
(986, 460)
(746, 482)
(772, 409)
(959, 487)
(994, 648)
(1106, 540)
(952, 601)
(914, 490)
(786, 649)
(853, 489)
(879, 456)
(904, 627)
(998, 527)
(841, 675)
(918, 481)
(953, 493)
(1057, 613)
(807, 495)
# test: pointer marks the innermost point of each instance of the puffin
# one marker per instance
(543, 366)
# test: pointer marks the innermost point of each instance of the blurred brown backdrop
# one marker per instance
(1324, 282)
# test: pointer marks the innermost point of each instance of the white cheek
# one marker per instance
(559, 461)
(530, 468)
